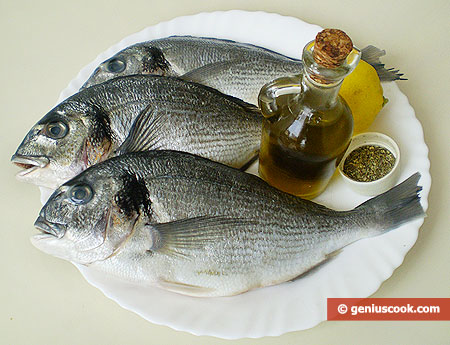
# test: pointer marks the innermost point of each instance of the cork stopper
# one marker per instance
(331, 48)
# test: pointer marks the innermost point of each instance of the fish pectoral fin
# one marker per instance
(144, 132)
(329, 257)
(208, 72)
(180, 236)
(185, 289)
(216, 71)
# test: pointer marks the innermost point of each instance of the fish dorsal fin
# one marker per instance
(371, 55)
(144, 132)
(180, 236)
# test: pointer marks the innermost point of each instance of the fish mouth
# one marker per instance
(49, 228)
(29, 164)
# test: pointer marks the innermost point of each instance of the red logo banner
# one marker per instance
(401, 309)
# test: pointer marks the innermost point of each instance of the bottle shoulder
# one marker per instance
(299, 108)
(317, 132)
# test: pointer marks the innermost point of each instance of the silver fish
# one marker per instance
(236, 69)
(196, 227)
(136, 113)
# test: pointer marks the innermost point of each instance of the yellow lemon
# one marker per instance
(364, 95)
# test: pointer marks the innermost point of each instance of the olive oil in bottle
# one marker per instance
(307, 126)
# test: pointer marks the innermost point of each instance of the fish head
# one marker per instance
(63, 143)
(88, 218)
(137, 59)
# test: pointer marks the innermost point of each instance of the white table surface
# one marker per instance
(44, 300)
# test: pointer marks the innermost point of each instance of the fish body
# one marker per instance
(236, 69)
(137, 113)
(197, 227)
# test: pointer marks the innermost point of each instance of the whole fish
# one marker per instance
(236, 69)
(136, 113)
(197, 227)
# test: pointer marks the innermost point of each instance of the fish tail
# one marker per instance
(399, 205)
(371, 55)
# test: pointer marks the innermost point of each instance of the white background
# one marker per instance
(44, 300)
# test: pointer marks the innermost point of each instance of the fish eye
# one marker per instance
(56, 129)
(80, 194)
(115, 65)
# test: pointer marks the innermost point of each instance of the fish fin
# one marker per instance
(144, 132)
(210, 71)
(371, 55)
(203, 74)
(332, 255)
(177, 237)
(185, 289)
(393, 208)
(329, 257)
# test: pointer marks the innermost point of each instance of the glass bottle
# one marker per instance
(307, 126)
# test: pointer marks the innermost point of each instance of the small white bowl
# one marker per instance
(386, 182)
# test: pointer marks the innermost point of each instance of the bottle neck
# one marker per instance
(321, 83)
(318, 95)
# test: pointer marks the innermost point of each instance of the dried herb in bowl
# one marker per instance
(368, 163)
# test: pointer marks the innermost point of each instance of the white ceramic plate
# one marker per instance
(357, 272)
